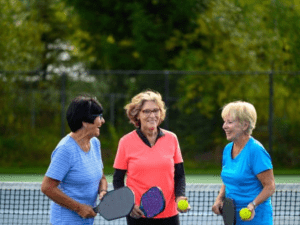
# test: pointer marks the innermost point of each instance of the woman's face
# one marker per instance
(233, 128)
(94, 128)
(149, 115)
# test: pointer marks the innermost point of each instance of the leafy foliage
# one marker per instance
(132, 35)
(20, 43)
(192, 35)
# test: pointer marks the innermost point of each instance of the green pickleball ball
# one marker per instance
(245, 214)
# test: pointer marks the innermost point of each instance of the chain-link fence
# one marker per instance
(33, 106)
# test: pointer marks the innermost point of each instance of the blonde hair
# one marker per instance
(243, 111)
(134, 107)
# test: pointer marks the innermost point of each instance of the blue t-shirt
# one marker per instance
(241, 182)
(80, 173)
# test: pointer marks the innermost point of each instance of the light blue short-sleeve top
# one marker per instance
(80, 173)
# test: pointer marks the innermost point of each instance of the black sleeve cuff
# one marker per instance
(179, 180)
(118, 178)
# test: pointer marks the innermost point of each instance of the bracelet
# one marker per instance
(254, 204)
(102, 190)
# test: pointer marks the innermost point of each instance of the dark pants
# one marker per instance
(149, 221)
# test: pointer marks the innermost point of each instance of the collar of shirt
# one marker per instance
(145, 140)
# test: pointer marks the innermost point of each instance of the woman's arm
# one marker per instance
(179, 180)
(219, 201)
(50, 188)
(118, 178)
(103, 185)
(267, 180)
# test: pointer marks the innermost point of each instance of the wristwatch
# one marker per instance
(254, 204)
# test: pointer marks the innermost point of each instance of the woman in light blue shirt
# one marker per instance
(247, 171)
(75, 175)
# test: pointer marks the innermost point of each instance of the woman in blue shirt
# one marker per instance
(247, 171)
(75, 175)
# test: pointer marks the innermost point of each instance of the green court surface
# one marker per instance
(189, 178)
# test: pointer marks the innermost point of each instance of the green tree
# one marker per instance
(20, 44)
(240, 37)
(35, 34)
(230, 38)
(30, 37)
(132, 35)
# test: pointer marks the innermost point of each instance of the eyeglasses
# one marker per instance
(148, 112)
(96, 115)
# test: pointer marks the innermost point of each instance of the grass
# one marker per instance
(23, 170)
(110, 170)
(36, 174)
(204, 178)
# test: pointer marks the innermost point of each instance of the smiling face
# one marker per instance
(233, 128)
(149, 116)
(93, 129)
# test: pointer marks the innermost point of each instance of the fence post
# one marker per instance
(271, 114)
(112, 108)
(167, 96)
(33, 113)
(271, 91)
(63, 103)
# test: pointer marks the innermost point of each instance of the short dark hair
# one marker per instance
(83, 108)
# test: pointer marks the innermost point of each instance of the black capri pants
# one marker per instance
(174, 220)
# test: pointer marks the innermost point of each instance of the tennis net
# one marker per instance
(24, 203)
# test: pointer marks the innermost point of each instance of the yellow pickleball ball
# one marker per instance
(183, 204)
(245, 214)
